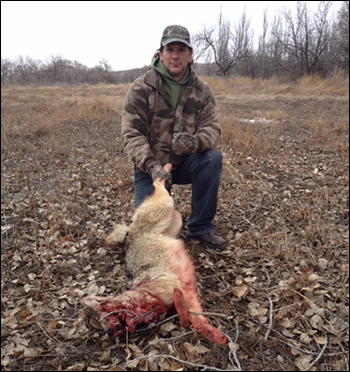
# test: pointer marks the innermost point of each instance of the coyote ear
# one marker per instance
(117, 236)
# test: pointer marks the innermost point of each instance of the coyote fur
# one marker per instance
(163, 270)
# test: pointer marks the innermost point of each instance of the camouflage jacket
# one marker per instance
(149, 121)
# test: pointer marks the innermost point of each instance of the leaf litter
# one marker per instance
(279, 291)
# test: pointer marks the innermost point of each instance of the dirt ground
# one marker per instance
(280, 290)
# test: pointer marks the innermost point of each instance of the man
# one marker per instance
(170, 116)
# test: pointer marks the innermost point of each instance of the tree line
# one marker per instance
(295, 43)
(57, 70)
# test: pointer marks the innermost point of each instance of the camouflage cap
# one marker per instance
(176, 33)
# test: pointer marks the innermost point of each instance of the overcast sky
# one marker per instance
(125, 33)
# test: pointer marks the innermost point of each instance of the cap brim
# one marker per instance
(175, 40)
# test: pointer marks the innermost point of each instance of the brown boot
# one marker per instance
(210, 240)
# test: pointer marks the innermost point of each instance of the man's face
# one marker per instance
(176, 57)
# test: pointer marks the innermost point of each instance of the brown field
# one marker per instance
(280, 291)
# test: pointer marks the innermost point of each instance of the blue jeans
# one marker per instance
(203, 171)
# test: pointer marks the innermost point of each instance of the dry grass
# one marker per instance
(283, 207)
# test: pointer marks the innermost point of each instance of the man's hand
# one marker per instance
(155, 170)
(184, 143)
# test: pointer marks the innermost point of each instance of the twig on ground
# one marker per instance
(52, 338)
(319, 355)
(271, 319)
(232, 348)
(208, 314)
(346, 278)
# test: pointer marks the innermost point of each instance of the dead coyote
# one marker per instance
(163, 270)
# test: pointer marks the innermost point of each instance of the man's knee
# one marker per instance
(207, 166)
(214, 156)
(213, 159)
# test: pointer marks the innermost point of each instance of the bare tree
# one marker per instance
(261, 54)
(304, 38)
(7, 70)
(25, 70)
(225, 44)
(342, 36)
(104, 65)
(55, 69)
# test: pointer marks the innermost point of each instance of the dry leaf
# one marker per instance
(191, 352)
(305, 338)
(201, 349)
(303, 362)
(52, 325)
(77, 367)
(240, 291)
(286, 323)
(168, 327)
(30, 352)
